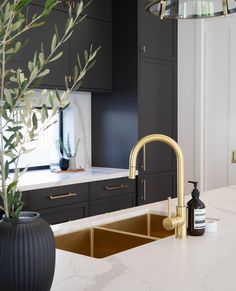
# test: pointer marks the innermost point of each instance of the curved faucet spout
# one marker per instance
(179, 223)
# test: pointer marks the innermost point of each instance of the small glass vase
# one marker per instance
(72, 163)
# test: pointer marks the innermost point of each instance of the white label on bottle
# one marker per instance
(199, 218)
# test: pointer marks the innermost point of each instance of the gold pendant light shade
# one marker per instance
(187, 9)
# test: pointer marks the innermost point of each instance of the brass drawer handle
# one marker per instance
(122, 186)
(54, 197)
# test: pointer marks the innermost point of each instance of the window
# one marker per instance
(45, 147)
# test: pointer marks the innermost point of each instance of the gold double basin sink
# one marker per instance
(108, 239)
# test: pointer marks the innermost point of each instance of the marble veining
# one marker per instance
(205, 263)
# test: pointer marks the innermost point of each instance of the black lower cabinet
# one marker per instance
(65, 213)
(60, 204)
(114, 203)
(112, 195)
(71, 202)
(156, 187)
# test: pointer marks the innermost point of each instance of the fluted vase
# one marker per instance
(27, 253)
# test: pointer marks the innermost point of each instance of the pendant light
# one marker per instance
(190, 9)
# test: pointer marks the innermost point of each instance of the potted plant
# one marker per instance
(27, 250)
(69, 153)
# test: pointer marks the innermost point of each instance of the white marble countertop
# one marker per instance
(40, 179)
(198, 263)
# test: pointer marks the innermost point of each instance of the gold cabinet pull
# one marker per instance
(122, 186)
(54, 197)
(144, 158)
(143, 49)
(144, 195)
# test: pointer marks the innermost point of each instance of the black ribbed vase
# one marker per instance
(27, 253)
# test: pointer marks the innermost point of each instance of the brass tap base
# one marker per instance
(181, 229)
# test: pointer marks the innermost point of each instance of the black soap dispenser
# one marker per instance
(196, 213)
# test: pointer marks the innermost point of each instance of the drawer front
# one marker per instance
(58, 196)
(113, 187)
(110, 204)
(65, 213)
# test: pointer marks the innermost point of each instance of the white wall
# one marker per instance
(77, 122)
(207, 106)
(186, 100)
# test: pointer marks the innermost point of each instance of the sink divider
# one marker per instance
(126, 232)
(92, 242)
(149, 224)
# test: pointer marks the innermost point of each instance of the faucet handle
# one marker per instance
(169, 206)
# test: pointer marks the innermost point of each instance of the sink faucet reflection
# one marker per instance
(177, 222)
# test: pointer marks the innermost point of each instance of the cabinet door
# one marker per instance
(156, 187)
(112, 187)
(100, 9)
(158, 113)
(58, 196)
(99, 34)
(63, 5)
(58, 69)
(157, 37)
(114, 203)
(65, 213)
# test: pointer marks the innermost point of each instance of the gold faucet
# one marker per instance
(177, 222)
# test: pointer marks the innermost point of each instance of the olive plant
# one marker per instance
(21, 121)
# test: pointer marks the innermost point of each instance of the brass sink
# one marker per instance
(115, 237)
(147, 224)
(99, 242)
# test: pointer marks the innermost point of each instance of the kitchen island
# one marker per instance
(196, 264)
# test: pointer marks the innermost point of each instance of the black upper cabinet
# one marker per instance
(99, 34)
(58, 69)
(157, 37)
(89, 31)
(99, 9)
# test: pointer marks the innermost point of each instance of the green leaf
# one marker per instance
(86, 55)
(38, 24)
(15, 128)
(6, 169)
(35, 121)
(11, 186)
(56, 57)
(54, 42)
(44, 73)
(76, 72)
(21, 4)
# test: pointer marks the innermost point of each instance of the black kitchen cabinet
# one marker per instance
(99, 34)
(60, 204)
(65, 213)
(114, 203)
(71, 202)
(156, 187)
(157, 101)
(112, 195)
(90, 31)
(44, 34)
(144, 98)
(62, 6)
(98, 9)
(58, 196)
(157, 37)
